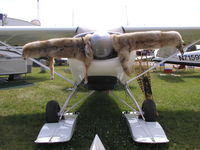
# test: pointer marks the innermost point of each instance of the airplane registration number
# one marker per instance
(189, 57)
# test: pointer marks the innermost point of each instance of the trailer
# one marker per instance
(12, 63)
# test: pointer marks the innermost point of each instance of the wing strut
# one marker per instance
(166, 59)
(37, 62)
(60, 75)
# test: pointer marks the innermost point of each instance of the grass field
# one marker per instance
(22, 106)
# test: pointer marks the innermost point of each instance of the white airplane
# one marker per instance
(143, 55)
(13, 64)
(191, 58)
(103, 74)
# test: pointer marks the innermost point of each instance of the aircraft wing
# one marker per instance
(20, 35)
(16, 35)
(189, 34)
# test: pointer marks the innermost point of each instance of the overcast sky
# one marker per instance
(106, 12)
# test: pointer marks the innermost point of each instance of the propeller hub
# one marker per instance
(101, 44)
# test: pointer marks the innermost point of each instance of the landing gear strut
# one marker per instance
(148, 106)
(60, 124)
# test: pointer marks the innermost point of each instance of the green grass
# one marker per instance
(22, 113)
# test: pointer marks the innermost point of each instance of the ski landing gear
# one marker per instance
(143, 131)
(60, 124)
(60, 131)
(142, 124)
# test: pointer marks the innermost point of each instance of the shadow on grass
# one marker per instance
(19, 131)
(120, 87)
(20, 83)
(100, 115)
(84, 88)
(15, 84)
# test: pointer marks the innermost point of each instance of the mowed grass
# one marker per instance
(22, 113)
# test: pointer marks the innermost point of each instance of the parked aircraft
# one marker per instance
(104, 72)
(189, 58)
(12, 63)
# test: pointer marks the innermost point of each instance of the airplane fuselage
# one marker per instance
(188, 58)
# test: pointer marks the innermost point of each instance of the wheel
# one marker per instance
(149, 109)
(11, 77)
(52, 109)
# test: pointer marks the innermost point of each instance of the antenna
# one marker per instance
(126, 13)
(38, 10)
(73, 16)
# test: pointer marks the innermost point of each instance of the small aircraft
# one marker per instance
(189, 58)
(145, 54)
(13, 64)
(106, 69)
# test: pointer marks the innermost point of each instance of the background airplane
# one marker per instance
(189, 58)
(13, 64)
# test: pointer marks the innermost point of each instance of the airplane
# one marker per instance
(189, 58)
(103, 75)
(13, 64)
(145, 54)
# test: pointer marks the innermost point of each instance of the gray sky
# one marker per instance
(106, 12)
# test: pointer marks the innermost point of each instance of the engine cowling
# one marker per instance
(101, 44)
